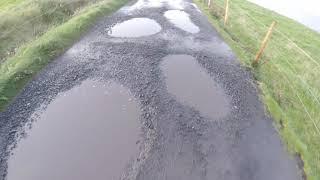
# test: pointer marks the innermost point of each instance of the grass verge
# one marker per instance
(52, 30)
(5, 4)
(287, 76)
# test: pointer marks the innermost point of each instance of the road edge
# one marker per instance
(18, 70)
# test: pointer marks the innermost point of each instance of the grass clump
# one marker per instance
(27, 20)
(34, 32)
(288, 72)
(6, 4)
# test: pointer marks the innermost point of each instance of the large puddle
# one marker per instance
(191, 84)
(181, 20)
(136, 27)
(89, 132)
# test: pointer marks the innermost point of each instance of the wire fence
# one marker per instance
(295, 67)
(288, 68)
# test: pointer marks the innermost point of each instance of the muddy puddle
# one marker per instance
(136, 27)
(89, 132)
(191, 85)
(181, 20)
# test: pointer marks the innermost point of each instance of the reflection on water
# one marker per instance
(306, 12)
(181, 20)
(89, 132)
(135, 27)
(191, 84)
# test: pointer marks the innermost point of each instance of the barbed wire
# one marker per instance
(300, 100)
(287, 38)
(294, 72)
(291, 67)
(290, 64)
(307, 86)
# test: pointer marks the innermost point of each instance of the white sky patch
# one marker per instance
(306, 12)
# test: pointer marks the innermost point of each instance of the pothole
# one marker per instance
(191, 85)
(136, 27)
(88, 132)
(181, 20)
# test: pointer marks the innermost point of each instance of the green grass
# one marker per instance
(288, 76)
(34, 32)
(6, 4)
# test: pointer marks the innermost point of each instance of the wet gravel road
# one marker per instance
(178, 137)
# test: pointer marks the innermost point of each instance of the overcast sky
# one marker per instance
(306, 12)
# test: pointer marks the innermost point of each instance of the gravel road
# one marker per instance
(167, 62)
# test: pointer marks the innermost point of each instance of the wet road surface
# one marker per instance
(151, 92)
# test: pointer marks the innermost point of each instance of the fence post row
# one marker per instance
(264, 43)
(265, 40)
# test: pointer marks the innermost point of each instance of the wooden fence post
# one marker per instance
(226, 13)
(264, 43)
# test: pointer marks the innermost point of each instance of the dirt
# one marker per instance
(178, 139)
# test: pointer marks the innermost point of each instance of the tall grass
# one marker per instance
(288, 76)
(7, 4)
(36, 31)
(30, 19)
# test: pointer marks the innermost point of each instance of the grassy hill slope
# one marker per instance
(288, 74)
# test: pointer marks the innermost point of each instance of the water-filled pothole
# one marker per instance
(181, 20)
(191, 84)
(136, 27)
(89, 132)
